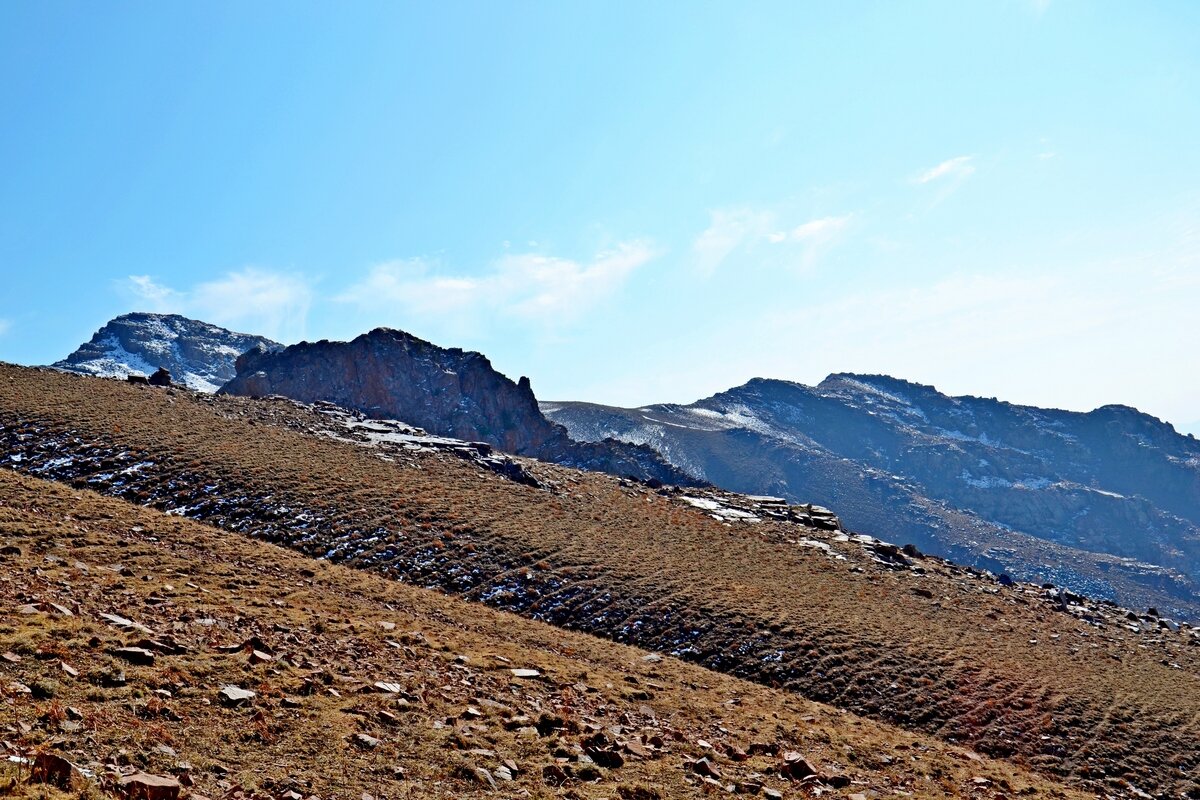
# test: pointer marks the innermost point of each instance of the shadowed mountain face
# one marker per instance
(389, 374)
(197, 354)
(1107, 502)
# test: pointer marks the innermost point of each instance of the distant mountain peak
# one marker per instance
(198, 354)
(1107, 501)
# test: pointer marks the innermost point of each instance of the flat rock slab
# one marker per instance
(525, 673)
(143, 786)
(135, 655)
(390, 688)
(235, 695)
(122, 622)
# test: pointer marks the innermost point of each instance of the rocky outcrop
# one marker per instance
(198, 355)
(390, 374)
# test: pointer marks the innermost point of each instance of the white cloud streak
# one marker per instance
(825, 229)
(958, 168)
(252, 300)
(5, 325)
(529, 287)
(741, 231)
(729, 230)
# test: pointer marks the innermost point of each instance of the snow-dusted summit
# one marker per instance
(197, 354)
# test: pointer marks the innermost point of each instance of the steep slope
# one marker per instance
(394, 375)
(1077, 690)
(197, 354)
(456, 699)
(1107, 502)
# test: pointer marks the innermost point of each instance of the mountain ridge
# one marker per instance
(960, 476)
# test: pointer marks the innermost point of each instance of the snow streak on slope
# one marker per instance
(199, 355)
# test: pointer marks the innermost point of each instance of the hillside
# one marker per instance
(197, 354)
(122, 627)
(391, 374)
(1107, 503)
(1076, 690)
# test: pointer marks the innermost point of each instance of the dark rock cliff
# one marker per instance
(390, 374)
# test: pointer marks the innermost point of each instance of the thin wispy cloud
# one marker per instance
(728, 230)
(815, 230)
(528, 287)
(4, 326)
(253, 300)
(814, 238)
(154, 296)
(957, 168)
(741, 232)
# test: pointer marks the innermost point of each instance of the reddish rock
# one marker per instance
(635, 748)
(391, 374)
(57, 771)
(143, 786)
(555, 775)
(796, 767)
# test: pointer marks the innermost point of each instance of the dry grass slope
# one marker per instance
(972, 663)
(325, 635)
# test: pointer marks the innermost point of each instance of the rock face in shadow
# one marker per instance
(390, 374)
(1044, 494)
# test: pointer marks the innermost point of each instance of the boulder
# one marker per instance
(796, 767)
(365, 741)
(57, 771)
(555, 775)
(161, 377)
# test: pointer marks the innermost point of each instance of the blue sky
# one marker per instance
(627, 202)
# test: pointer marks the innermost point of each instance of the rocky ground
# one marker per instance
(1079, 691)
(148, 655)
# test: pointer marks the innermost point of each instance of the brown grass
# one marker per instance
(976, 665)
(335, 631)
